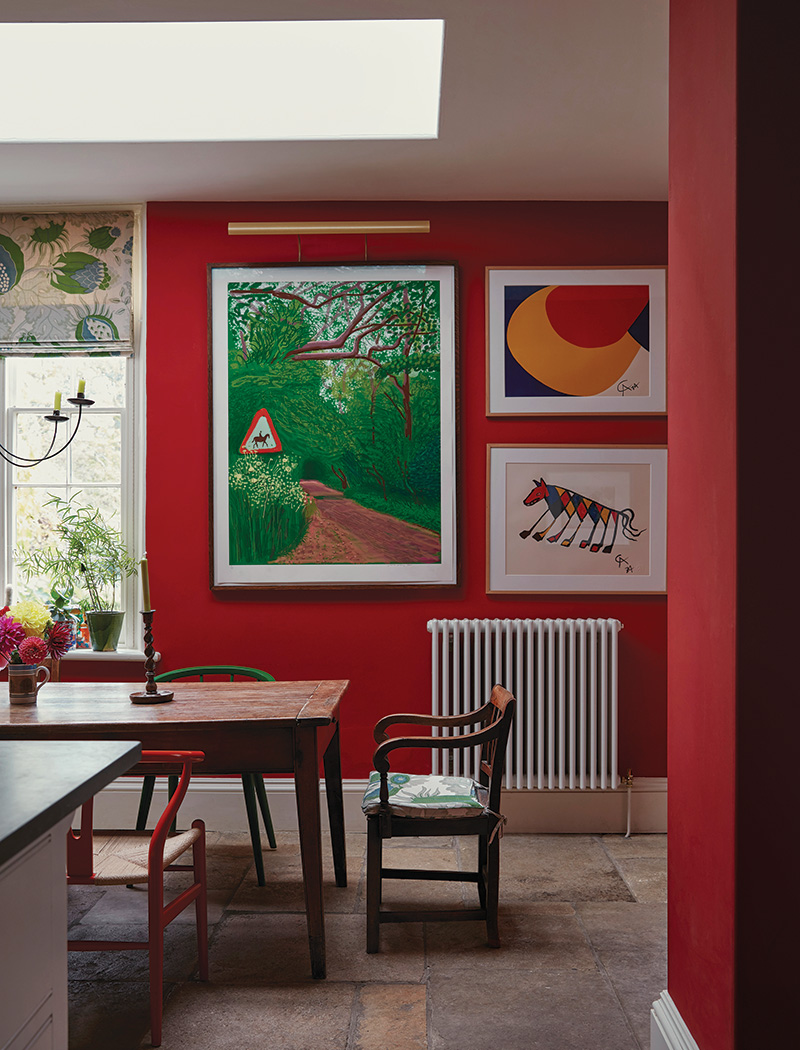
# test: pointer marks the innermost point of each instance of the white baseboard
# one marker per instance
(668, 1030)
(219, 802)
(589, 812)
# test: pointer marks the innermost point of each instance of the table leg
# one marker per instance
(306, 786)
(332, 762)
(251, 804)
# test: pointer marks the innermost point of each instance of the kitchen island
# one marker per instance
(42, 783)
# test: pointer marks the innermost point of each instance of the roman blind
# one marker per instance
(65, 282)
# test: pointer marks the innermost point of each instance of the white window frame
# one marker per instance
(132, 465)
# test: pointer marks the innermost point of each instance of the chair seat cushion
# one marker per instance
(426, 795)
(120, 857)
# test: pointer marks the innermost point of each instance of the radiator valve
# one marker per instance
(627, 781)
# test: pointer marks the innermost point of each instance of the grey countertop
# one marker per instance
(42, 781)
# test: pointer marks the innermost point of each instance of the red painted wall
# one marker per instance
(702, 561)
(733, 714)
(377, 640)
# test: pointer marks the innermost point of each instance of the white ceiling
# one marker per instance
(541, 100)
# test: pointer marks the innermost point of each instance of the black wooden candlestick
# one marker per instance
(152, 694)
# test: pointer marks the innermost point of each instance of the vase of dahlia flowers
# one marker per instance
(28, 638)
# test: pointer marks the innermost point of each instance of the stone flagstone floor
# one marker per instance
(583, 923)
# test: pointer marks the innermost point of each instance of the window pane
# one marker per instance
(107, 501)
(36, 529)
(34, 524)
(97, 450)
(34, 381)
(33, 437)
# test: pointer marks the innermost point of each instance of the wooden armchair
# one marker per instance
(400, 804)
(108, 858)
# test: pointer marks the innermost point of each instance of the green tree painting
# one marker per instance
(349, 373)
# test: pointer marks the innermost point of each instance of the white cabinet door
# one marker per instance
(33, 950)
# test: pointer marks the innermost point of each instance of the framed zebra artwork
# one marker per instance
(565, 341)
(576, 520)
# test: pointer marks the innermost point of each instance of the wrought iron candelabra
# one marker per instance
(80, 401)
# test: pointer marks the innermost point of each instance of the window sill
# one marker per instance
(119, 655)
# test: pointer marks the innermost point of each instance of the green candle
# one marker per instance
(145, 585)
(81, 387)
(57, 402)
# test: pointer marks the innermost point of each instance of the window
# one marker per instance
(98, 465)
(100, 468)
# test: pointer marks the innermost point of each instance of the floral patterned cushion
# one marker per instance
(425, 795)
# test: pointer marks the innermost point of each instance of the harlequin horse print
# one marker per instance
(564, 502)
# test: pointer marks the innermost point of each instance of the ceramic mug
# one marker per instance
(23, 682)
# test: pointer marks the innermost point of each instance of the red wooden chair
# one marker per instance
(107, 858)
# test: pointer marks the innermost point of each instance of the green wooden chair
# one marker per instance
(255, 795)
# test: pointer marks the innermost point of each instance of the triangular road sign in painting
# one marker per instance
(261, 435)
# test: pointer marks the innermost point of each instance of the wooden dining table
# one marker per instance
(242, 727)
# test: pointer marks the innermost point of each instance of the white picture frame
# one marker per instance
(576, 520)
(259, 415)
(570, 341)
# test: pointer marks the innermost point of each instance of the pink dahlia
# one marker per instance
(32, 650)
(59, 639)
(11, 634)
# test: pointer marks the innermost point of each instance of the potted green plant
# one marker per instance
(88, 555)
(64, 608)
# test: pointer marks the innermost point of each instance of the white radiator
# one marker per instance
(564, 676)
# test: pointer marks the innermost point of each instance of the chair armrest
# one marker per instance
(164, 763)
(167, 818)
(162, 757)
(166, 758)
(80, 862)
(381, 761)
(482, 714)
(465, 740)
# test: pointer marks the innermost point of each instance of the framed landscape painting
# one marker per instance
(572, 342)
(576, 520)
(333, 429)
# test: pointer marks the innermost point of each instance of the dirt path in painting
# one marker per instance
(344, 532)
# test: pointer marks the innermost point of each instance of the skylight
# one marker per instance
(222, 81)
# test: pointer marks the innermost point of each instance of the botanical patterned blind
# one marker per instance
(65, 282)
